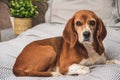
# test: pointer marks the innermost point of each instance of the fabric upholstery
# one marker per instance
(62, 10)
(10, 50)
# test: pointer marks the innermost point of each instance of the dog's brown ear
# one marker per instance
(101, 34)
(69, 34)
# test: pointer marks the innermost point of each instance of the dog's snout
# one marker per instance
(86, 34)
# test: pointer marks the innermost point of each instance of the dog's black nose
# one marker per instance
(86, 34)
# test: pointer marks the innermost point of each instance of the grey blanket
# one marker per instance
(98, 72)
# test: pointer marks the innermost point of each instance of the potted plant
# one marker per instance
(22, 11)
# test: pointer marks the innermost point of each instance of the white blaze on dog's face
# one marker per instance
(85, 25)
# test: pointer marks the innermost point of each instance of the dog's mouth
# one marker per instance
(86, 39)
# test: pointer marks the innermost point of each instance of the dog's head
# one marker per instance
(84, 27)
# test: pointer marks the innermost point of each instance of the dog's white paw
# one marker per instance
(55, 74)
(78, 69)
(83, 70)
(113, 62)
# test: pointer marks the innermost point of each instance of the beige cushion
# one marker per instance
(62, 10)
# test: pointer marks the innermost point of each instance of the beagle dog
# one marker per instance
(79, 47)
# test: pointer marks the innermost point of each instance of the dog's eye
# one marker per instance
(78, 23)
(92, 23)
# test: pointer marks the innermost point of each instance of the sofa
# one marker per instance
(56, 17)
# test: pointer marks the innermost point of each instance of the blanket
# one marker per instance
(9, 50)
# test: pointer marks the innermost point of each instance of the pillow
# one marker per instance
(119, 8)
(115, 19)
(117, 11)
(47, 14)
(112, 43)
(62, 10)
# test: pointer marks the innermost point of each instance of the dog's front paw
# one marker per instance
(113, 62)
(56, 74)
(83, 70)
(78, 69)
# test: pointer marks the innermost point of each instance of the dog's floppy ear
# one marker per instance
(101, 34)
(69, 34)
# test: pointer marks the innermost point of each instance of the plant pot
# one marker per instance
(22, 24)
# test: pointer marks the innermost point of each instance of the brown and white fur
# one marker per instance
(79, 47)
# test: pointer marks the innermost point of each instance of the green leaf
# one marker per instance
(23, 8)
(39, 0)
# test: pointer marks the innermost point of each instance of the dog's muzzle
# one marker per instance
(86, 36)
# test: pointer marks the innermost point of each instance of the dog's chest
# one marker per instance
(94, 57)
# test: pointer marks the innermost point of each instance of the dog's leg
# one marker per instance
(56, 73)
(114, 61)
(45, 74)
(36, 61)
(30, 72)
(42, 74)
(78, 69)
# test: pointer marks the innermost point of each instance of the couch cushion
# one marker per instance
(62, 10)
(112, 43)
